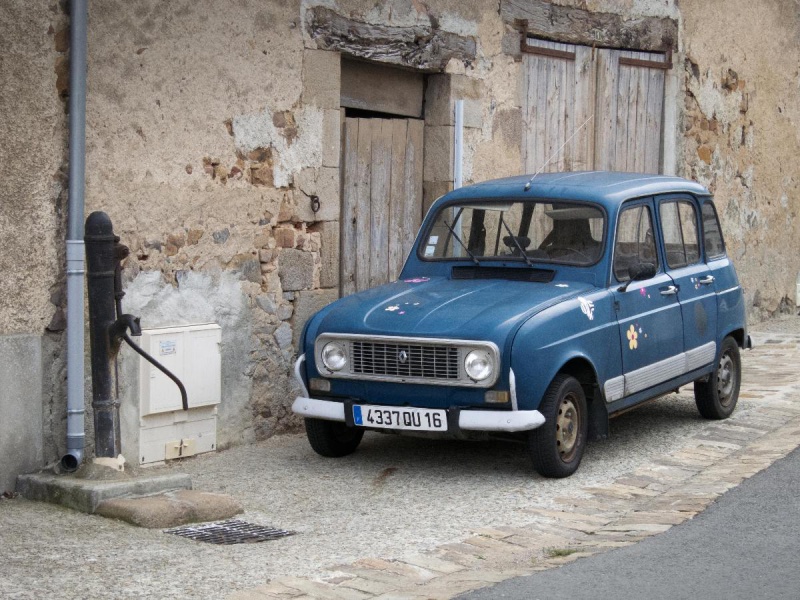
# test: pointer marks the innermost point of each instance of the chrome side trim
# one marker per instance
(497, 420)
(700, 356)
(464, 347)
(664, 370)
(512, 384)
(614, 389)
(297, 365)
(318, 409)
(651, 375)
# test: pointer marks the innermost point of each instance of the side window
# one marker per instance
(679, 226)
(635, 242)
(712, 234)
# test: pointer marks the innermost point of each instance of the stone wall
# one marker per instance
(210, 126)
(740, 126)
(33, 149)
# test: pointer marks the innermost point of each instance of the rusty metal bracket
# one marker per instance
(648, 64)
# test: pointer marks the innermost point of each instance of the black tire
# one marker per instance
(332, 438)
(717, 396)
(557, 446)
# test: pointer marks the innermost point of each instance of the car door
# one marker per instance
(648, 312)
(680, 235)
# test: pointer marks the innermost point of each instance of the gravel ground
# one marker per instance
(393, 498)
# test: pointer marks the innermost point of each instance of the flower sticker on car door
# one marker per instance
(633, 336)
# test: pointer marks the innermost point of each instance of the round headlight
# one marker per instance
(478, 365)
(334, 357)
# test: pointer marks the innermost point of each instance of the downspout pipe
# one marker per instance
(75, 245)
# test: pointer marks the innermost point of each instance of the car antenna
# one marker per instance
(556, 153)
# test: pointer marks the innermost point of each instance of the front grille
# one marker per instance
(405, 360)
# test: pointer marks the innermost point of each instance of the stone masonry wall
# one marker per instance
(742, 111)
(211, 125)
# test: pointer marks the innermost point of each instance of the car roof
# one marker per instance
(605, 187)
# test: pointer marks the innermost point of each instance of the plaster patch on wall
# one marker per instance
(206, 298)
(289, 155)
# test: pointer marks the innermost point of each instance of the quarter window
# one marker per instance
(679, 226)
(712, 235)
(635, 243)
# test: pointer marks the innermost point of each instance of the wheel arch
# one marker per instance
(584, 372)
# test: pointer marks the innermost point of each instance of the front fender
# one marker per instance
(580, 328)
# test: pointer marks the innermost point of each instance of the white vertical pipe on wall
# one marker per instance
(458, 154)
(75, 247)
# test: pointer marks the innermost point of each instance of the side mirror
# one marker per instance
(642, 271)
(639, 272)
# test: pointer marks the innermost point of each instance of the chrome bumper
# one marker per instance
(473, 420)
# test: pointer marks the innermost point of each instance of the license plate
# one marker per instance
(387, 417)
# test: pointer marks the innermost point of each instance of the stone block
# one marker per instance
(296, 270)
(329, 254)
(322, 74)
(20, 406)
(331, 138)
(473, 114)
(286, 237)
(283, 336)
(438, 108)
(438, 161)
(308, 303)
(323, 183)
(431, 190)
(171, 509)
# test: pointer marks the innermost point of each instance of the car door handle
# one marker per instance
(706, 280)
(669, 290)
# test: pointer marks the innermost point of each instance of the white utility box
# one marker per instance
(166, 431)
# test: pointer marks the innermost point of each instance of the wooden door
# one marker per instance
(558, 103)
(381, 199)
(591, 108)
(629, 106)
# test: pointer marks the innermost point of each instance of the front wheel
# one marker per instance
(716, 397)
(556, 447)
(332, 438)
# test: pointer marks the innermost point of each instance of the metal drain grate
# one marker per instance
(232, 531)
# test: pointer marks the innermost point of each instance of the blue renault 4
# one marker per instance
(534, 308)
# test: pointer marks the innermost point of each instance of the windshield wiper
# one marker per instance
(463, 245)
(516, 242)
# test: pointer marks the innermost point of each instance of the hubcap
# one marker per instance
(726, 379)
(567, 427)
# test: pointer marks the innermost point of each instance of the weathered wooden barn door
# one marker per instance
(592, 108)
(558, 100)
(629, 108)
(381, 199)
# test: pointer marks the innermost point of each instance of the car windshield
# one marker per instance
(530, 231)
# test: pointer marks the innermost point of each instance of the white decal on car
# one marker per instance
(587, 307)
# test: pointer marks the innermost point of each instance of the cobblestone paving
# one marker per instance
(669, 490)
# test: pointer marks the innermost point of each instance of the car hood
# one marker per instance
(441, 307)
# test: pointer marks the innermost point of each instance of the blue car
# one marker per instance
(535, 308)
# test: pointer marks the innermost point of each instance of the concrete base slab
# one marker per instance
(171, 509)
(85, 495)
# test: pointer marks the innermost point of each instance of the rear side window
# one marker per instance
(712, 234)
(681, 240)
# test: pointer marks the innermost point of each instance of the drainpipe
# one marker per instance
(458, 143)
(75, 247)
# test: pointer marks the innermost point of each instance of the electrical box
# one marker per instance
(166, 431)
(192, 354)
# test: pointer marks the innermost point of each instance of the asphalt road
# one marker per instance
(746, 545)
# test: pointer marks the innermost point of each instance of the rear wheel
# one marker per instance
(332, 438)
(557, 446)
(717, 396)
